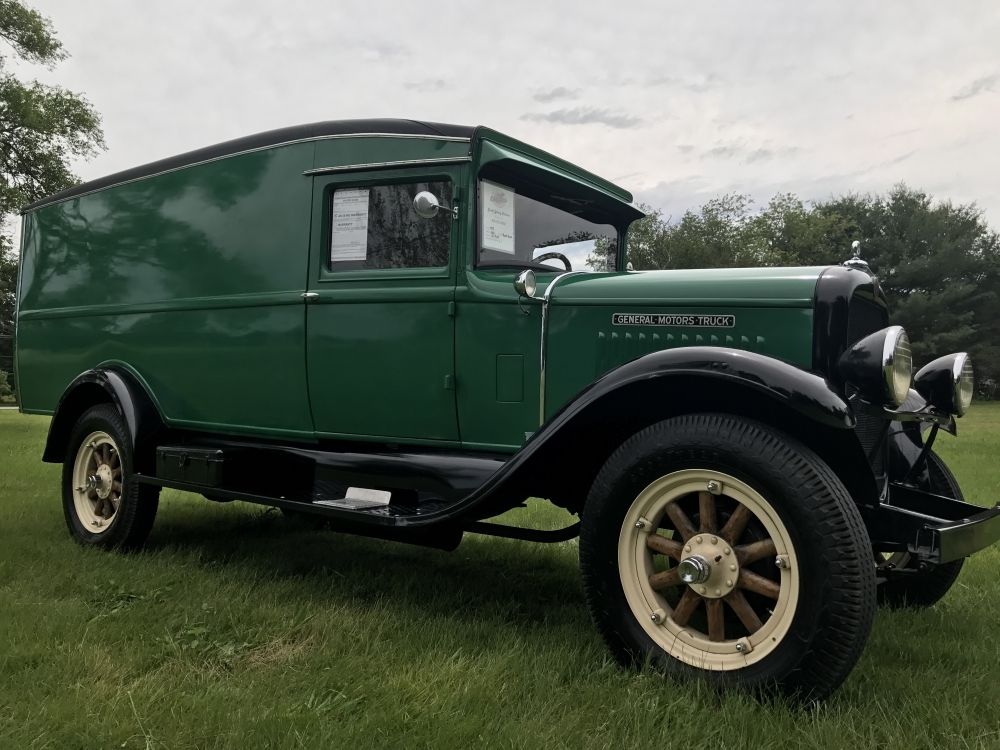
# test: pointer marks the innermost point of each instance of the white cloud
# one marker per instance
(679, 101)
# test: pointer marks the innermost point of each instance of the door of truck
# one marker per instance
(380, 328)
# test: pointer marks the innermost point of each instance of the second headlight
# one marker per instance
(946, 383)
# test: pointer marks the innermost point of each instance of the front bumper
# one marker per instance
(933, 528)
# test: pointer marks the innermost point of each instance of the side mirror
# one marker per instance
(426, 205)
(524, 284)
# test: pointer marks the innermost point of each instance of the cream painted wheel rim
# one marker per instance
(745, 608)
(97, 482)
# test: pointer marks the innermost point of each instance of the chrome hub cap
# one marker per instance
(694, 569)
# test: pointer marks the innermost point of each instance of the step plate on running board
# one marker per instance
(359, 498)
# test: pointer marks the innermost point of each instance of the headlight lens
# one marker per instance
(897, 365)
(963, 383)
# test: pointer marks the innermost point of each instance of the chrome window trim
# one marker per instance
(388, 165)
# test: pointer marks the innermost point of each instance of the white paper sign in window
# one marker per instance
(498, 217)
(349, 238)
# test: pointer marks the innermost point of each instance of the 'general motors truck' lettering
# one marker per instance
(691, 321)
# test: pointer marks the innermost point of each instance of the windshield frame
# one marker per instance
(515, 174)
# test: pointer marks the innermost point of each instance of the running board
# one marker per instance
(377, 520)
(445, 536)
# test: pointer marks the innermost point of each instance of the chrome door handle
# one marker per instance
(310, 296)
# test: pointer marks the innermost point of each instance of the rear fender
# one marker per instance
(120, 388)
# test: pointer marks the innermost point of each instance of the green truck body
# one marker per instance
(193, 281)
(406, 329)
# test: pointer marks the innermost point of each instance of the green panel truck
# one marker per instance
(407, 328)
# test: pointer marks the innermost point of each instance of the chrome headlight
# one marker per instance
(946, 383)
(880, 365)
(525, 284)
(897, 365)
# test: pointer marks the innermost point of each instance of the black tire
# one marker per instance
(835, 608)
(130, 524)
(918, 589)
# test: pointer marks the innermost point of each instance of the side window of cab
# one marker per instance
(377, 227)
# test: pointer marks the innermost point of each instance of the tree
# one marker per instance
(42, 129)
(6, 394)
(938, 263)
(645, 238)
(790, 233)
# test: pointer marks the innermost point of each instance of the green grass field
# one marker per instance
(237, 628)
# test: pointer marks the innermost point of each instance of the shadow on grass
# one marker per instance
(518, 582)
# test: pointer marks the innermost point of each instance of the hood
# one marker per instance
(708, 287)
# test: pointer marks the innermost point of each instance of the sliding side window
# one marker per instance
(376, 227)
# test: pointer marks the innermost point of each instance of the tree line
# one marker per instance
(42, 130)
(937, 262)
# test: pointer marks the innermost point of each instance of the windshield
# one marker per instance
(521, 224)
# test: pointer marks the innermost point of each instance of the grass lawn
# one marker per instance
(237, 628)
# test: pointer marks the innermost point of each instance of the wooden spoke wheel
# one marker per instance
(708, 567)
(103, 506)
(97, 482)
(718, 548)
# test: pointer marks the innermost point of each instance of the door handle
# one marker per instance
(310, 296)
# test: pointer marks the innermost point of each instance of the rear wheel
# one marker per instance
(718, 548)
(102, 507)
(906, 585)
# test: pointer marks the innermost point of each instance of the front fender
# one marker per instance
(806, 393)
(111, 385)
(563, 457)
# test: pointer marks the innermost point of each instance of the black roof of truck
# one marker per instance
(329, 128)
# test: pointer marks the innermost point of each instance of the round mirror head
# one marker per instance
(524, 284)
(426, 204)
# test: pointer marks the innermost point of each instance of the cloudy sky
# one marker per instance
(676, 101)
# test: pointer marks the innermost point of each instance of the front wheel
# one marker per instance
(718, 548)
(102, 506)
